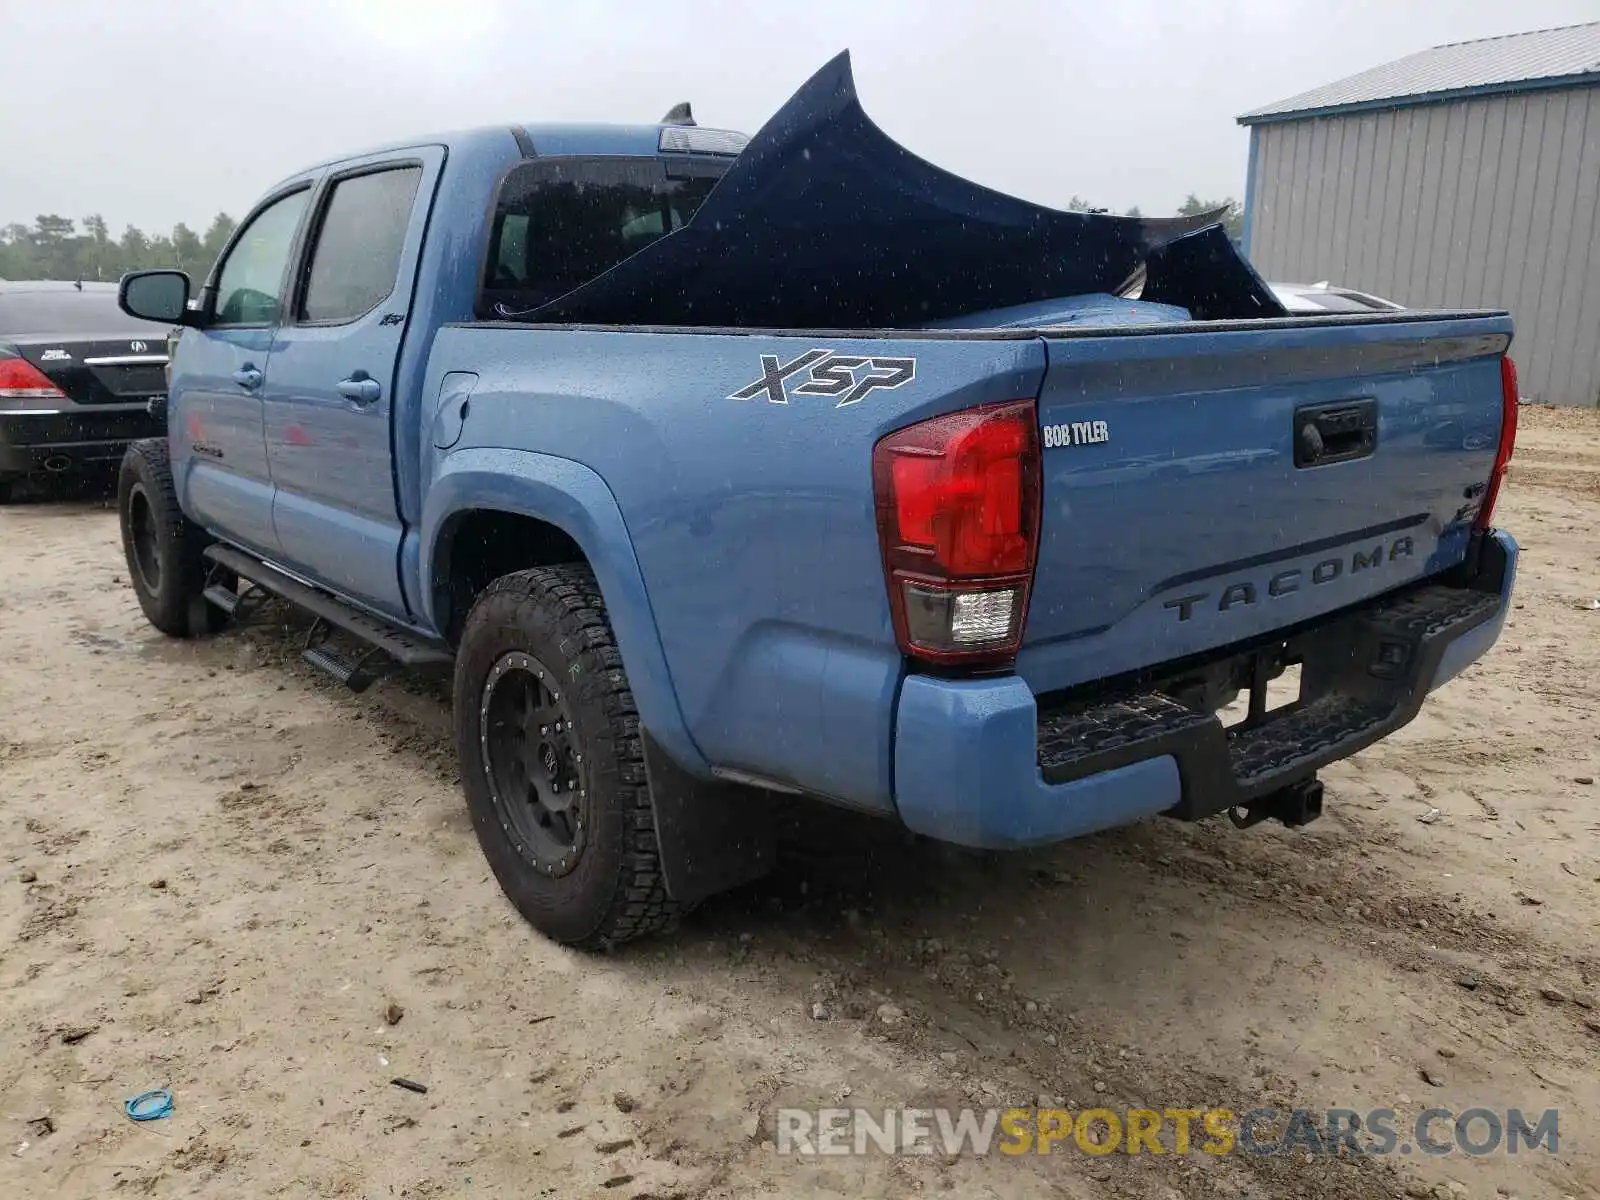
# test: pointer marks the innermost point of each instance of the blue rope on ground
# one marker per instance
(150, 1106)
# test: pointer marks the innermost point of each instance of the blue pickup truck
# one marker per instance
(719, 469)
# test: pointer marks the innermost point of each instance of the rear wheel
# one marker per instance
(163, 549)
(552, 762)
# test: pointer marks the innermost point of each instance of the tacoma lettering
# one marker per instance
(1245, 592)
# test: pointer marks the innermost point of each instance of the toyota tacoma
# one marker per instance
(719, 469)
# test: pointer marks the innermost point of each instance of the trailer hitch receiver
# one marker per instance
(1298, 804)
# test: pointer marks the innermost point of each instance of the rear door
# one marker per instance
(1204, 488)
(328, 397)
(214, 410)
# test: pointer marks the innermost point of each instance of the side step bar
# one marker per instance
(400, 647)
(224, 598)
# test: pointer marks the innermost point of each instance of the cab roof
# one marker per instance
(565, 140)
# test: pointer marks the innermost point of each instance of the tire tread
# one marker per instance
(639, 904)
(180, 611)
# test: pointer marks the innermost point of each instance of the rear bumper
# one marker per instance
(978, 763)
(74, 438)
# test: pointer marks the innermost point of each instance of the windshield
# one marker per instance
(561, 222)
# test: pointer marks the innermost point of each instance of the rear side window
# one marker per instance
(359, 243)
(561, 222)
(251, 279)
(68, 313)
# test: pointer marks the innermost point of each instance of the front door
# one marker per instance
(329, 395)
(214, 410)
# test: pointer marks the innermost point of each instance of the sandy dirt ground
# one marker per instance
(218, 871)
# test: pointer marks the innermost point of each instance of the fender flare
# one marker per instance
(574, 499)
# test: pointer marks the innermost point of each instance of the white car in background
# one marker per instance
(1299, 297)
(1324, 297)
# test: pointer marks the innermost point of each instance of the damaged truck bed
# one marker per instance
(824, 222)
(719, 468)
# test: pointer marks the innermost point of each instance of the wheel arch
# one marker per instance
(535, 510)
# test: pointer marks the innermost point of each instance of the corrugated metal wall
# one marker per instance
(1487, 202)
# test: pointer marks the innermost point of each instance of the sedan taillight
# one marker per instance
(21, 380)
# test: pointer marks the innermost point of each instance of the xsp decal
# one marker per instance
(1078, 433)
(823, 373)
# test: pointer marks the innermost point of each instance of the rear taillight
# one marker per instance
(958, 520)
(1508, 442)
(21, 380)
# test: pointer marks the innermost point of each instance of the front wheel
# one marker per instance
(164, 550)
(552, 762)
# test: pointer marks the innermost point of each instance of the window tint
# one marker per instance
(252, 275)
(558, 224)
(65, 312)
(358, 245)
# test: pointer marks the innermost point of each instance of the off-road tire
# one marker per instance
(615, 891)
(147, 502)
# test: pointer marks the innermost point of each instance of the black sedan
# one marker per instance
(78, 379)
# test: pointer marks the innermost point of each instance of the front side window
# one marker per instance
(251, 278)
(359, 243)
(560, 223)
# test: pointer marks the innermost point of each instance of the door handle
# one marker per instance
(248, 378)
(362, 391)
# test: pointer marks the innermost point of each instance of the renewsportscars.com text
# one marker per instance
(1099, 1131)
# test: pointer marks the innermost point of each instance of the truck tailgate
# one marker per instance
(1209, 486)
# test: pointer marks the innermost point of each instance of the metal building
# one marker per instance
(1464, 176)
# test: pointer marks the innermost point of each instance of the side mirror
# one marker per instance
(161, 296)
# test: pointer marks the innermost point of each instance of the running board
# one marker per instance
(405, 648)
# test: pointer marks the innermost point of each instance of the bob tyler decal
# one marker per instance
(848, 376)
(1078, 433)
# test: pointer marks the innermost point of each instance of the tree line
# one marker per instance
(57, 247)
(1232, 217)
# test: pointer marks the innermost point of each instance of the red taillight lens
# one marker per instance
(21, 380)
(1508, 442)
(958, 519)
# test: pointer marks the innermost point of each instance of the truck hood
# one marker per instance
(825, 222)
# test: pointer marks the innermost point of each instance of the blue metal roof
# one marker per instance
(1518, 62)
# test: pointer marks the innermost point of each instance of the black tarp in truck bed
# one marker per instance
(824, 222)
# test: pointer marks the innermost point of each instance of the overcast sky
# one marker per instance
(166, 112)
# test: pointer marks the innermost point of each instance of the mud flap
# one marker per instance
(712, 835)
